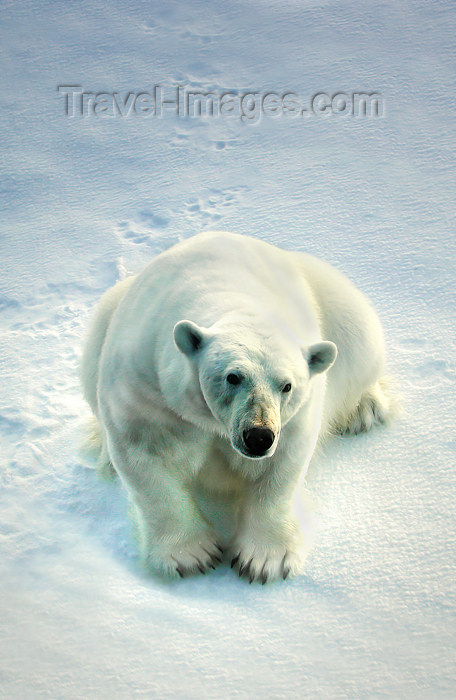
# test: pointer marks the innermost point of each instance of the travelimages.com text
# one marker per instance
(162, 102)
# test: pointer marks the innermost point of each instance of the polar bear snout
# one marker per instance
(258, 441)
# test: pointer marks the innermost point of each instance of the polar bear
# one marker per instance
(220, 366)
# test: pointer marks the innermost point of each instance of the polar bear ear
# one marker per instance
(320, 356)
(189, 337)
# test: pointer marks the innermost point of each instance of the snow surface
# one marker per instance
(88, 199)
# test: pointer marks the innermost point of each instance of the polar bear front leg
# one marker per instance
(175, 538)
(268, 543)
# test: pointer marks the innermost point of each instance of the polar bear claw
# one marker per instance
(263, 567)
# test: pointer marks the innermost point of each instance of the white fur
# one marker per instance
(155, 370)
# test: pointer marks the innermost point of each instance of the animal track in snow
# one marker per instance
(222, 144)
(425, 361)
(196, 38)
(414, 344)
(144, 229)
(434, 368)
(209, 209)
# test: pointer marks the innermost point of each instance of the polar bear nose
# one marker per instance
(258, 440)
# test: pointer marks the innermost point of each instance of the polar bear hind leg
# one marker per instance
(94, 450)
(376, 406)
(93, 446)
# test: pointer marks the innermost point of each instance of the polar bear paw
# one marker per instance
(375, 407)
(198, 554)
(266, 562)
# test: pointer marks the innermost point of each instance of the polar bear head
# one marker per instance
(252, 382)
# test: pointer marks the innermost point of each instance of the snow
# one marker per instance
(85, 200)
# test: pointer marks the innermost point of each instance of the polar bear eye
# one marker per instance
(286, 388)
(233, 379)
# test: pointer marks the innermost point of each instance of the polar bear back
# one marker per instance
(211, 274)
(204, 279)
